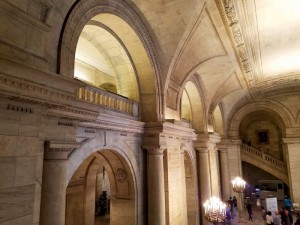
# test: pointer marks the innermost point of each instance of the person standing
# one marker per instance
(263, 214)
(249, 210)
(283, 216)
(298, 219)
(234, 200)
(277, 219)
(230, 203)
(289, 217)
(228, 215)
(269, 218)
(287, 203)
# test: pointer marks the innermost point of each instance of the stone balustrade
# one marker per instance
(108, 100)
(254, 152)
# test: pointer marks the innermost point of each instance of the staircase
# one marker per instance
(265, 162)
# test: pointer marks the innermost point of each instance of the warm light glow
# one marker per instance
(214, 210)
(238, 184)
(279, 44)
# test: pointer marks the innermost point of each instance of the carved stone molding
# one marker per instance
(229, 12)
(32, 89)
(284, 80)
(118, 125)
(71, 113)
(59, 149)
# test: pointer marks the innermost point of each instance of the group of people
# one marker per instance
(282, 217)
(231, 209)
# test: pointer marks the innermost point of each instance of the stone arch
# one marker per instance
(142, 51)
(121, 166)
(277, 111)
(218, 121)
(191, 186)
(191, 88)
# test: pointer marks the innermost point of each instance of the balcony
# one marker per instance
(108, 100)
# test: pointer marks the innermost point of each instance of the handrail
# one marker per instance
(263, 156)
(108, 100)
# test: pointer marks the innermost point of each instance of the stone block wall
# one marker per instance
(21, 164)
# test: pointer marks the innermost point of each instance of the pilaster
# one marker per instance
(225, 178)
(234, 159)
(166, 173)
(293, 155)
(207, 167)
(53, 203)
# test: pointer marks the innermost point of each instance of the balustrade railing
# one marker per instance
(263, 156)
(108, 100)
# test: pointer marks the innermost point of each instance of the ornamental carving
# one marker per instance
(121, 175)
(243, 52)
(230, 11)
(27, 86)
(246, 66)
(237, 34)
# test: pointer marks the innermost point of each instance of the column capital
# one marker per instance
(154, 150)
(207, 140)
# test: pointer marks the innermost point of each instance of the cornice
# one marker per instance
(60, 150)
(108, 122)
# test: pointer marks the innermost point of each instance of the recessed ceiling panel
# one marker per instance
(278, 25)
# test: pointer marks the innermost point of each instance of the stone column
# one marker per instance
(225, 180)
(53, 204)
(293, 156)
(235, 168)
(207, 169)
(234, 160)
(156, 189)
(184, 194)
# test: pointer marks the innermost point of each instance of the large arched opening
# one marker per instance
(101, 191)
(106, 45)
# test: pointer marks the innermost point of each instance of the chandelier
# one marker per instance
(214, 210)
(238, 185)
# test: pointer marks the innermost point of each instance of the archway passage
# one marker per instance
(101, 191)
(191, 196)
(266, 182)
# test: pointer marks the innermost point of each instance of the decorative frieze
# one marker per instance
(31, 88)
